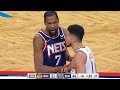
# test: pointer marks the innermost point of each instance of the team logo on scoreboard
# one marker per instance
(39, 76)
(67, 76)
(46, 76)
(31, 76)
(42, 76)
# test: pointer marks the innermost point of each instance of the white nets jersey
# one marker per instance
(90, 63)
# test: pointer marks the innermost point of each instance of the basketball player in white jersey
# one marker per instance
(83, 61)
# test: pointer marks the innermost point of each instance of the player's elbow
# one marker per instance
(39, 69)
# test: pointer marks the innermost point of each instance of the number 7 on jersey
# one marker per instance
(58, 57)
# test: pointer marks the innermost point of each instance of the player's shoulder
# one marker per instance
(64, 29)
(38, 40)
(79, 53)
(37, 37)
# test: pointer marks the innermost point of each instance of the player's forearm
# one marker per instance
(48, 69)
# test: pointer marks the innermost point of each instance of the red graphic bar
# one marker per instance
(109, 74)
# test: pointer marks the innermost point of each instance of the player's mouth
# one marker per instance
(52, 31)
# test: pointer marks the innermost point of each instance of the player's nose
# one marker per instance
(52, 25)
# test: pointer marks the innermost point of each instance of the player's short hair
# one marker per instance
(50, 13)
(77, 31)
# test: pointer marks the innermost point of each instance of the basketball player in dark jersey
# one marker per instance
(50, 52)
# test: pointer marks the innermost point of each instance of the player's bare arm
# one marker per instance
(80, 61)
(68, 67)
(38, 44)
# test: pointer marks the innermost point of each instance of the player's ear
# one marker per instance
(74, 39)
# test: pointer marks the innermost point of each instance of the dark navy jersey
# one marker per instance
(54, 51)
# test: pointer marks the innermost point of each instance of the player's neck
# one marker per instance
(77, 45)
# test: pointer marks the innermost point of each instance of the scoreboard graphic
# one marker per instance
(62, 76)
(33, 75)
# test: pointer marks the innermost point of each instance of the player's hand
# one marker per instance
(64, 70)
